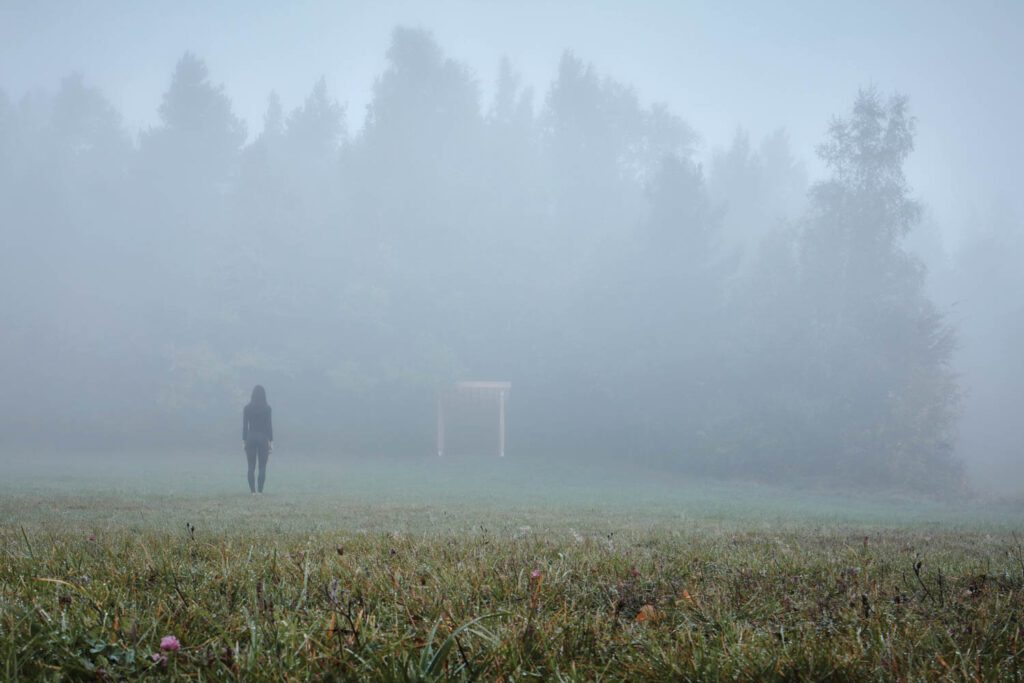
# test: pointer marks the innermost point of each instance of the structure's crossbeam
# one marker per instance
(484, 385)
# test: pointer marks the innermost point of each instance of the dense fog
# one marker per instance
(774, 299)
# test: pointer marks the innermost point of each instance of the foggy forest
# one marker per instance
(573, 341)
(729, 314)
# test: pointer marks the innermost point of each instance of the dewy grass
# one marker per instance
(486, 571)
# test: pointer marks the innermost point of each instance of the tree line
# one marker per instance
(733, 319)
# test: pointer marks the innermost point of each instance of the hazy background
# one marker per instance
(749, 64)
(646, 276)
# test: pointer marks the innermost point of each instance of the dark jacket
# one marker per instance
(256, 424)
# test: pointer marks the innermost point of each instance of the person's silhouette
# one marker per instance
(257, 436)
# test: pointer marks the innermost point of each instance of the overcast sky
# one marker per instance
(759, 65)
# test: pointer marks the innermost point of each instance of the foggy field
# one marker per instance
(356, 569)
(736, 287)
(416, 495)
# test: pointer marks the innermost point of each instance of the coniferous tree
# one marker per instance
(188, 167)
(197, 142)
(759, 188)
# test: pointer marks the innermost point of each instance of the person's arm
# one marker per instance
(270, 428)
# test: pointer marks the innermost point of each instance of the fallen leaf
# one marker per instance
(647, 613)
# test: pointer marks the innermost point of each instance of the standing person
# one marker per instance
(257, 436)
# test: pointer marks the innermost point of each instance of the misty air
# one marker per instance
(501, 340)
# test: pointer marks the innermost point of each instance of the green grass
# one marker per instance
(422, 569)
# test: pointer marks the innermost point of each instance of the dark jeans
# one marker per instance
(257, 450)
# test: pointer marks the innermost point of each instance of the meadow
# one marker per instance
(488, 569)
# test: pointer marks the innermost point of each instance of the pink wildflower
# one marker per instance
(170, 644)
(535, 574)
(158, 658)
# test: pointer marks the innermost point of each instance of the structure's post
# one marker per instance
(501, 419)
(440, 423)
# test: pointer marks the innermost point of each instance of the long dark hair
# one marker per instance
(259, 397)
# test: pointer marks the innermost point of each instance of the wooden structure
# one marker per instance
(486, 390)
